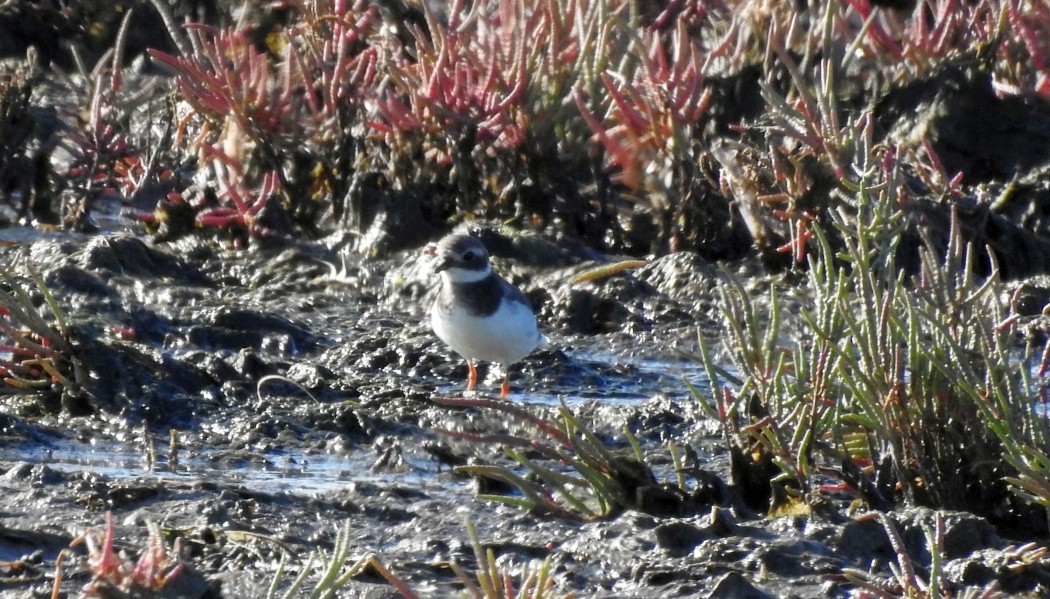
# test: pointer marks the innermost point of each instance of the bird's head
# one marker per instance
(461, 259)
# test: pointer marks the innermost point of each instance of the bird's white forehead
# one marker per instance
(456, 274)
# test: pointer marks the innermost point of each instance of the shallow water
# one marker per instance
(285, 472)
(629, 381)
(607, 378)
(604, 377)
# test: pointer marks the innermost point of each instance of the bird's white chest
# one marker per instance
(505, 336)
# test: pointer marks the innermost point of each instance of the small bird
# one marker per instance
(477, 313)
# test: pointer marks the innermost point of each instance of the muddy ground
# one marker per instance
(179, 339)
(252, 402)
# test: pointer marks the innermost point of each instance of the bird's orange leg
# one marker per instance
(505, 387)
(472, 378)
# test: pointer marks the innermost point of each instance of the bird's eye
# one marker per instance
(469, 256)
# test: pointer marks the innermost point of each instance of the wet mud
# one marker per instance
(253, 402)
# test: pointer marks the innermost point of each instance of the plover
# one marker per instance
(477, 313)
